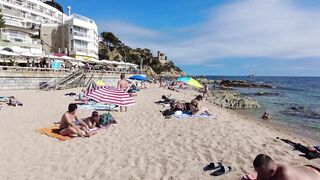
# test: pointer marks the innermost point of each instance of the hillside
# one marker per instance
(112, 48)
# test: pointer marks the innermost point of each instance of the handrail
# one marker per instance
(17, 68)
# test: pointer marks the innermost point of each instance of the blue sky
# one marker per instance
(217, 37)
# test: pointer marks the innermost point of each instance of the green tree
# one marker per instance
(109, 38)
(2, 21)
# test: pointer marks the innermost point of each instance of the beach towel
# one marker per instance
(98, 107)
(53, 132)
(3, 98)
(184, 115)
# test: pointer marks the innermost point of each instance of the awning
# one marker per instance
(8, 53)
(74, 63)
(30, 55)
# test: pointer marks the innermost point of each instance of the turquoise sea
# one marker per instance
(294, 102)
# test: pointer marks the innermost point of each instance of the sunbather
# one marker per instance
(267, 169)
(92, 121)
(194, 106)
(14, 102)
(68, 126)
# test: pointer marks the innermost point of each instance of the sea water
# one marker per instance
(293, 102)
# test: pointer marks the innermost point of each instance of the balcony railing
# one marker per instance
(34, 8)
(7, 40)
(80, 34)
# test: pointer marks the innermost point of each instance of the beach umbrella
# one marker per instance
(110, 95)
(100, 83)
(139, 77)
(190, 81)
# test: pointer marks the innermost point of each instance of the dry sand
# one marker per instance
(144, 145)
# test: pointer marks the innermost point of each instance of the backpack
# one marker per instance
(105, 119)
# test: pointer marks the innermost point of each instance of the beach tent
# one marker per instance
(110, 95)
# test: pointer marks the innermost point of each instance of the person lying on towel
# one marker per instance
(267, 169)
(194, 107)
(93, 121)
(71, 125)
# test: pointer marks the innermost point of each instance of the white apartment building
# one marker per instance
(82, 37)
(24, 19)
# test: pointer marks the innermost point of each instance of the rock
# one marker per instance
(232, 100)
(241, 83)
(301, 111)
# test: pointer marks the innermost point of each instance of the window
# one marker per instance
(6, 7)
(80, 45)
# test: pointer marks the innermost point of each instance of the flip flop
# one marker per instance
(212, 166)
(222, 170)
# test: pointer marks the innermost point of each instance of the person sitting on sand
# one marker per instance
(93, 121)
(267, 169)
(196, 108)
(265, 115)
(69, 128)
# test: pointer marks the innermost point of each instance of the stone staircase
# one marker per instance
(65, 82)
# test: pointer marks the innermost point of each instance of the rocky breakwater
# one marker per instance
(232, 100)
(243, 84)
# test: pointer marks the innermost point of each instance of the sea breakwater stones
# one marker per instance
(232, 100)
(303, 112)
(240, 83)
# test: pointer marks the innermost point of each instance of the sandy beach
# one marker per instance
(143, 145)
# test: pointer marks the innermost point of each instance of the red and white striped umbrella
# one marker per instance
(110, 95)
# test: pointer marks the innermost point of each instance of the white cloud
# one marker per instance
(247, 28)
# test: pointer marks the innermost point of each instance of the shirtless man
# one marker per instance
(69, 128)
(123, 85)
(267, 169)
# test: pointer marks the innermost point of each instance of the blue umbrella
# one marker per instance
(139, 78)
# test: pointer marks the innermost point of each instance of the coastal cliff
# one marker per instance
(112, 48)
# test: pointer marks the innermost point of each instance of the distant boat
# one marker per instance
(251, 75)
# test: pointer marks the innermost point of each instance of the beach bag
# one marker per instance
(168, 112)
(105, 119)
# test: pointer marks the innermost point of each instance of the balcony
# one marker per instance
(86, 52)
(80, 34)
(10, 22)
(33, 7)
(11, 12)
(11, 41)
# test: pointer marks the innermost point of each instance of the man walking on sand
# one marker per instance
(123, 85)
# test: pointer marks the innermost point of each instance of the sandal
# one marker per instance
(212, 166)
(222, 170)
